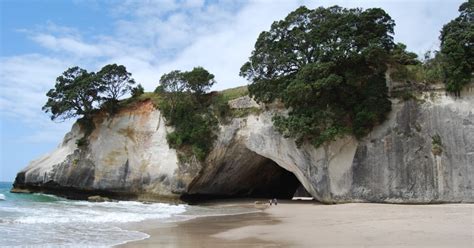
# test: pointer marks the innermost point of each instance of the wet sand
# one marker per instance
(309, 224)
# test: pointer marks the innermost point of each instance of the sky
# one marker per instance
(41, 39)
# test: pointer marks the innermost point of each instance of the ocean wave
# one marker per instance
(85, 212)
(50, 221)
(66, 235)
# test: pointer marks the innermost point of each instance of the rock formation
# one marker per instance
(423, 153)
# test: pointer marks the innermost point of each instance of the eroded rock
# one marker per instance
(128, 156)
(97, 198)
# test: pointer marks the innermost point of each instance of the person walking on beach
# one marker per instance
(275, 201)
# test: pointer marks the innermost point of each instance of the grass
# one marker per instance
(223, 96)
(416, 74)
(239, 113)
(233, 93)
(224, 112)
(220, 102)
(154, 97)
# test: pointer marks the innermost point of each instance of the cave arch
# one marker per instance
(242, 173)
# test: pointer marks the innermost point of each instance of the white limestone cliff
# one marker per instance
(128, 157)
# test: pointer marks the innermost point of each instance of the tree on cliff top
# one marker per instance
(457, 48)
(75, 93)
(185, 106)
(327, 66)
(198, 81)
(115, 81)
(177, 85)
(78, 92)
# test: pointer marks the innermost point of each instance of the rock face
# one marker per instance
(127, 157)
(423, 153)
(97, 198)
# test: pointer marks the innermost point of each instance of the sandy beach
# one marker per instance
(310, 224)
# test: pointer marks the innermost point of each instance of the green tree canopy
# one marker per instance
(138, 91)
(78, 92)
(186, 107)
(198, 81)
(115, 81)
(327, 66)
(400, 62)
(401, 56)
(75, 93)
(457, 48)
(172, 82)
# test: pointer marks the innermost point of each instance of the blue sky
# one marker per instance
(40, 39)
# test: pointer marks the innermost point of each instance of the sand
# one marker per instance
(309, 224)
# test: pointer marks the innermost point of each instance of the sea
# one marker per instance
(29, 220)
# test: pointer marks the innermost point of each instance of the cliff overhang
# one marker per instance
(398, 162)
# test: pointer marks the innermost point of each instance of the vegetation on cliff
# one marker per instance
(457, 49)
(426, 71)
(327, 66)
(453, 64)
(78, 92)
(194, 112)
(186, 106)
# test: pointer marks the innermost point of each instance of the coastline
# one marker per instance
(199, 231)
(310, 224)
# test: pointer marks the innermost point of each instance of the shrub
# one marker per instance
(138, 91)
(436, 145)
(82, 142)
(187, 108)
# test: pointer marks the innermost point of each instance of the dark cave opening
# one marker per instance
(248, 175)
(271, 182)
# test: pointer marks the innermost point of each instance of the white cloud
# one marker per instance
(68, 44)
(145, 8)
(193, 3)
(154, 37)
(228, 46)
(24, 81)
(45, 132)
(226, 49)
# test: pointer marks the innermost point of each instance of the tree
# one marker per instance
(186, 108)
(172, 86)
(138, 91)
(75, 93)
(177, 85)
(457, 48)
(400, 62)
(199, 80)
(433, 67)
(172, 82)
(115, 81)
(402, 57)
(327, 66)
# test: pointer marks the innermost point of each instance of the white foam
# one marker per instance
(84, 224)
(77, 223)
(67, 235)
(85, 212)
